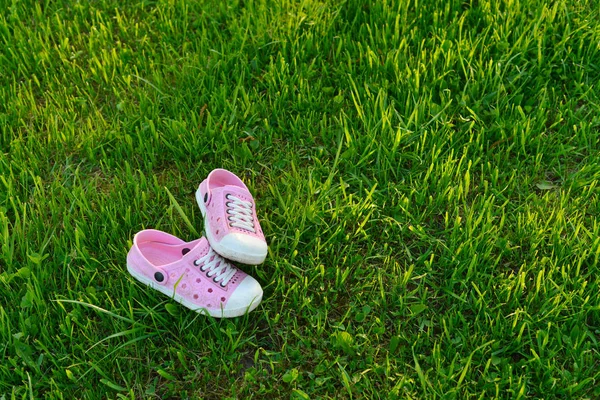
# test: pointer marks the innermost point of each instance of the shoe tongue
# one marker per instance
(236, 190)
(195, 249)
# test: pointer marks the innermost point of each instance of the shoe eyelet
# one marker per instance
(205, 197)
(159, 277)
(185, 251)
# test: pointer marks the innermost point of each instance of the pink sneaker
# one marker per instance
(230, 220)
(192, 274)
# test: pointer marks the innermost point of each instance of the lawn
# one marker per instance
(425, 171)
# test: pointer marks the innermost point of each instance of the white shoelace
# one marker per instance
(216, 266)
(240, 213)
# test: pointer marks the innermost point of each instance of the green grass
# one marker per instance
(426, 173)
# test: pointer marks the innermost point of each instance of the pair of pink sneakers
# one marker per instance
(198, 274)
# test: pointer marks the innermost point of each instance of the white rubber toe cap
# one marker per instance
(245, 244)
(245, 298)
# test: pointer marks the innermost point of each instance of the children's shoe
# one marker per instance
(192, 274)
(230, 220)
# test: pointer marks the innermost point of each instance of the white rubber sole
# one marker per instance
(217, 313)
(230, 253)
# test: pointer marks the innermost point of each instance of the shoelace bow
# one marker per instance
(240, 213)
(216, 266)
